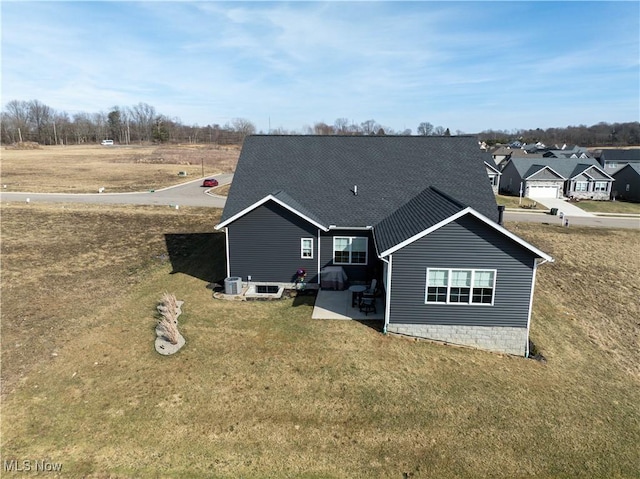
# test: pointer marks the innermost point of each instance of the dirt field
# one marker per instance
(262, 390)
(85, 169)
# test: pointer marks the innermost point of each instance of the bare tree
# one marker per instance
(243, 126)
(341, 126)
(100, 125)
(15, 121)
(63, 127)
(369, 127)
(82, 127)
(40, 118)
(425, 128)
(321, 128)
(143, 118)
(439, 131)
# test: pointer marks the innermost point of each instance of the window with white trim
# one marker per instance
(350, 250)
(460, 286)
(581, 186)
(306, 248)
(600, 186)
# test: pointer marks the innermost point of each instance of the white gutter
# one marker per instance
(363, 228)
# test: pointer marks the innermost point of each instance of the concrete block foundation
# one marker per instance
(507, 340)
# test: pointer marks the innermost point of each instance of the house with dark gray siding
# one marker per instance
(416, 213)
(627, 182)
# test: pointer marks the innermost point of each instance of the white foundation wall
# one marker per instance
(498, 339)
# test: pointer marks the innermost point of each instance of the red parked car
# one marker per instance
(210, 182)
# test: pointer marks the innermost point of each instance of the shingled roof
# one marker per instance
(320, 174)
(567, 167)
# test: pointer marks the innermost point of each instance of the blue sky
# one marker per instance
(468, 66)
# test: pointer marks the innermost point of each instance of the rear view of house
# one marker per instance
(417, 214)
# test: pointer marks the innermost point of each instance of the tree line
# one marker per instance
(35, 121)
(601, 134)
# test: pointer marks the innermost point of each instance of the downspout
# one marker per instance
(533, 287)
(226, 247)
(319, 259)
(387, 306)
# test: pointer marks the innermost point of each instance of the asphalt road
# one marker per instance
(597, 221)
(192, 194)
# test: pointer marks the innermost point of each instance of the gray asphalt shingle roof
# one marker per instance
(320, 172)
(630, 155)
(633, 166)
(567, 167)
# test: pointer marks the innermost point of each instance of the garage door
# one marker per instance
(543, 191)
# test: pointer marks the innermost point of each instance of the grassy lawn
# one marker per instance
(621, 207)
(84, 169)
(221, 190)
(515, 202)
(261, 390)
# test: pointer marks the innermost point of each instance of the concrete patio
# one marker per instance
(337, 305)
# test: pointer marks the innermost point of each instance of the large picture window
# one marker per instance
(460, 286)
(350, 250)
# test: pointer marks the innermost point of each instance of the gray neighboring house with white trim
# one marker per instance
(581, 178)
(414, 212)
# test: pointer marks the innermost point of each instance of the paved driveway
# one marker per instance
(563, 206)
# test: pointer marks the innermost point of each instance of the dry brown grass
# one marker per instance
(594, 284)
(262, 390)
(516, 202)
(221, 190)
(85, 169)
(24, 145)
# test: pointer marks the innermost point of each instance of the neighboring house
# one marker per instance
(576, 153)
(494, 176)
(533, 148)
(501, 153)
(413, 212)
(556, 177)
(627, 182)
(502, 159)
(611, 160)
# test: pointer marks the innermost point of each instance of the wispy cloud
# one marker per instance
(468, 66)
